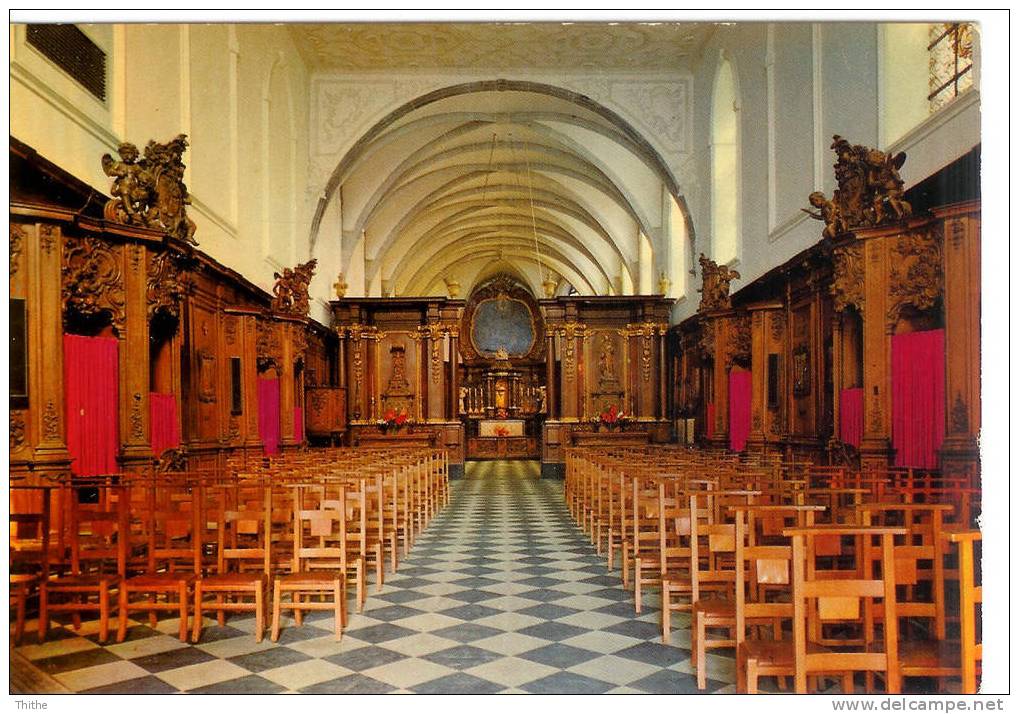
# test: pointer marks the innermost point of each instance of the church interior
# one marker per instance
(501, 357)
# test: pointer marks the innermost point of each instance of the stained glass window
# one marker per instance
(951, 62)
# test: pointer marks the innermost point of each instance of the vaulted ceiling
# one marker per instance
(502, 176)
(540, 184)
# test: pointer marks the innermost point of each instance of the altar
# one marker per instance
(501, 427)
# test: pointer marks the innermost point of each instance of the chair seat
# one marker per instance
(233, 580)
(315, 577)
(81, 582)
(23, 578)
(148, 580)
(715, 607)
(775, 653)
(929, 655)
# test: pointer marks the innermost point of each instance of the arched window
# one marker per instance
(679, 250)
(724, 167)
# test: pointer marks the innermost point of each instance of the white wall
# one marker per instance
(799, 84)
(240, 93)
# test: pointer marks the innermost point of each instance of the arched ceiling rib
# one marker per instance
(518, 176)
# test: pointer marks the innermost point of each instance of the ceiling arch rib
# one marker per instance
(525, 168)
(498, 238)
(409, 213)
(528, 136)
(530, 173)
(431, 273)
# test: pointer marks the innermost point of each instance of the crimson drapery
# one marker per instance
(269, 414)
(298, 424)
(851, 416)
(709, 428)
(163, 422)
(90, 401)
(918, 397)
(739, 408)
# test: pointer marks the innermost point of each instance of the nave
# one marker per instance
(502, 593)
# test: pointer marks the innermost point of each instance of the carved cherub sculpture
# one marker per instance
(130, 192)
(834, 224)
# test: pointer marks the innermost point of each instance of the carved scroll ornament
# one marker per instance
(167, 283)
(715, 282)
(739, 343)
(847, 283)
(150, 191)
(91, 279)
(269, 351)
(870, 191)
(290, 293)
(916, 277)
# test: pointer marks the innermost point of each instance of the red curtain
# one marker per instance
(851, 416)
(269, 414)
(298, 424)
(163, 422)
(709, 428)
(918, 398)
(739, 408)
(90, 391)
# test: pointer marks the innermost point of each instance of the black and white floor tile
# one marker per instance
(501, 594)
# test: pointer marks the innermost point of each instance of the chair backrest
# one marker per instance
(100, 533)
(320, 535)
(823, 600)
(971, 598)
(712, 549)
(243, 535)
(174, 527)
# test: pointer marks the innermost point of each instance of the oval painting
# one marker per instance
(502, 323)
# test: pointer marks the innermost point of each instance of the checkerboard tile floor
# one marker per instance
(501, 594)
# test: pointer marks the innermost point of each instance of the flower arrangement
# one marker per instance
(393, 419)
(612, 418)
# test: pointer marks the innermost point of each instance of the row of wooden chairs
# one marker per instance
(203, 540)
(717, 534)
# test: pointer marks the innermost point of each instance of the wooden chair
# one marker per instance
(174, 556)
(841, 601)
(764, 591)
(242, 564)
(99, 537)
(318, 568)
(30, 549)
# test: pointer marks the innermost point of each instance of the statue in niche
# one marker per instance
(463, 400)
(290, 293)
(150, 192)
(870, 190)
(543, 399)
(715, 282)
(398, 384)
(607, 380)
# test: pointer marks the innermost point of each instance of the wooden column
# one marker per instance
(550, 383)
(432, 338)
(759, 379)
(720, 387)
(288, 387)
(248, 336)
(960, 451)
(47, 426)
(136, 451)
(875, 448)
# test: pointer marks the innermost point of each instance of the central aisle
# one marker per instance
(502, 593)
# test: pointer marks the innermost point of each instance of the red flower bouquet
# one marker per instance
(393, 419)
(613, 417)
